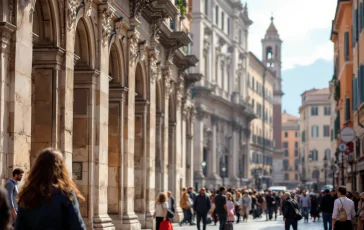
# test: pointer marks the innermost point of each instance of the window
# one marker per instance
(285, 164)
(222, 21)
(296, 134)
(296, 164)
(286, 152)
(286, 176)
(228, 26)
(296, 152)
(240, 36)
(314, 155)
(314, 111)
(327, 110)
(296, 177)
(285, 144)
(207, 7)
(285, 134)
(217, 16)
(253, 83)
(253, 104)
(326, 131)
(314, 131)
(328, 154)
(346, 46)
(303, 136)
(296, 144)
(347, 109)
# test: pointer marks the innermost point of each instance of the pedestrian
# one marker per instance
(305, 205)
(161, 207)
(327, 207)
(277, 205)
(201, 207)
(171, 202)
(49, 198)
(314, 208)
(260, 206)
(12, 189)
(186, 205)
(254, 203)
(356, 200)
(212, 209)
(6, 211)
(271, 202)
(361, 212)
(230, 206)
(238, 201)
(245, 204)
(220, 207)
(343, 204)
(192, 195)
(289, 206)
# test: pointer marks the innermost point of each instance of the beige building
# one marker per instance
(291, 150)
(315, 143)
(260, 91)
(106, 82)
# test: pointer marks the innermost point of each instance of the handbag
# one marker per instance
(228, 226)
(342, 216)
(296, 215)
(170, 214)
(189, 203)
(165, 225)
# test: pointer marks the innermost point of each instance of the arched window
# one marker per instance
(269, 53)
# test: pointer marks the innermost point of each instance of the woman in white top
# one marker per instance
(348, 205)
(161, 207)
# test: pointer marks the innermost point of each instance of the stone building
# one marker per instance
(106, 82)
(315, 116)
(260, 91)
(291, 150)
(222, 126)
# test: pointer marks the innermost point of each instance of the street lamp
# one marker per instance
(203, 165)
(325, 167)
(223, 175)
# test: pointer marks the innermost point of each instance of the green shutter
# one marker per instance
(346, 46)
(347, 109)
(356, 25)
(354, 93)
(361, 85)
(353, 26)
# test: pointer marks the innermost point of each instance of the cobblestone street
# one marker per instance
(260, 224)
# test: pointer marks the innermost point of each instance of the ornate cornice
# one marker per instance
(136, 7)
(106, 15)
(133, 36)
(154, 64)
(72, 6)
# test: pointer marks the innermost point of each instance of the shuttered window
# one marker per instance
(354, 28)
(347, 109)
(361, 84)
(356, 25)
(346, 46)
(355, 94)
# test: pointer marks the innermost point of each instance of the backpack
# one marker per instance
(342, 216)
(296, 213)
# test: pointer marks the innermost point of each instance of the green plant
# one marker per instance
(181, 4)
(337, 90)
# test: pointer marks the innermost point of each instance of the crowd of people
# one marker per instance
(339, 209)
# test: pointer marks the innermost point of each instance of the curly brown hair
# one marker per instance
(162, 197)
(48, 173)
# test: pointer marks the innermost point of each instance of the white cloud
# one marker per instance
(299, 24)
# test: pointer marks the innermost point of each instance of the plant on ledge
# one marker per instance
(181, 5)
(337, 90)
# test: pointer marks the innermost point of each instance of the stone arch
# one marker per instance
(46, 23)
(116, 65)
(45, 74)
(85, 43)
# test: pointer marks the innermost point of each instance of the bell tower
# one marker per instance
(272, 60)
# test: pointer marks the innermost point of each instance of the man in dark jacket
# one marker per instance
(288, 211)
(271, 203)
(221, 209)
(327, 207)
(202, 206)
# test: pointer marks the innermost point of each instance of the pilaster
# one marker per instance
(199, 145)
(213, 177)
(234, 156)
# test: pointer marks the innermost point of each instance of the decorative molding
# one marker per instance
(179, 92)
(133, 37)
(72, 6)
(107, 13)
(200, 113)
(136, 7)
(142, 49)
(154, 65)
(167, 75)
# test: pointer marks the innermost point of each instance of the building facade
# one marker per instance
(291, 150)
(222, 125)
(107, 83)
(260, 91)
(315, 143)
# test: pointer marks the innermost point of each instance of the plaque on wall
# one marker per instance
(77, 170)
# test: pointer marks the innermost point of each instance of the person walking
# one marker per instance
(345, 204)
(277, 205)
(327, 207)
(171, 201)
(238, 207)
(6, 211)
(201, 207)
(186, 205)
(230, 207)
(220, 207)
(161, 207)
(246, 203)
(305, 204)
(49, 198)
(271, 202)
(314, 208)
(289, 205)
(12, 188)
(361, 212)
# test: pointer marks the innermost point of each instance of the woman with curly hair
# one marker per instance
(161, 207)
(49, 198)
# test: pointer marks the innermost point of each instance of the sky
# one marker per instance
(307, 52)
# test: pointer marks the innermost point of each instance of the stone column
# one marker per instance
(165, 156)
(20, 94)
(198, 145)
(151, 138)
(190, 147)
(234, 156)
(213, 176)
(6, 31)
(246, 152)
(183, 157)
(130, 220)
(159, 178)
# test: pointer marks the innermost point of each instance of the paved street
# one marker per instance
(259, 224)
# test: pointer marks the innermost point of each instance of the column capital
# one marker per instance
(133, 37)
(154, 64)
(167, 77)
(106, 14)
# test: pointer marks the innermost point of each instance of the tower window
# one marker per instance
(269, 53)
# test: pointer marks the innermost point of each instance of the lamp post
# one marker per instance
(203, 165)
(325, 167)
(223, 175)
